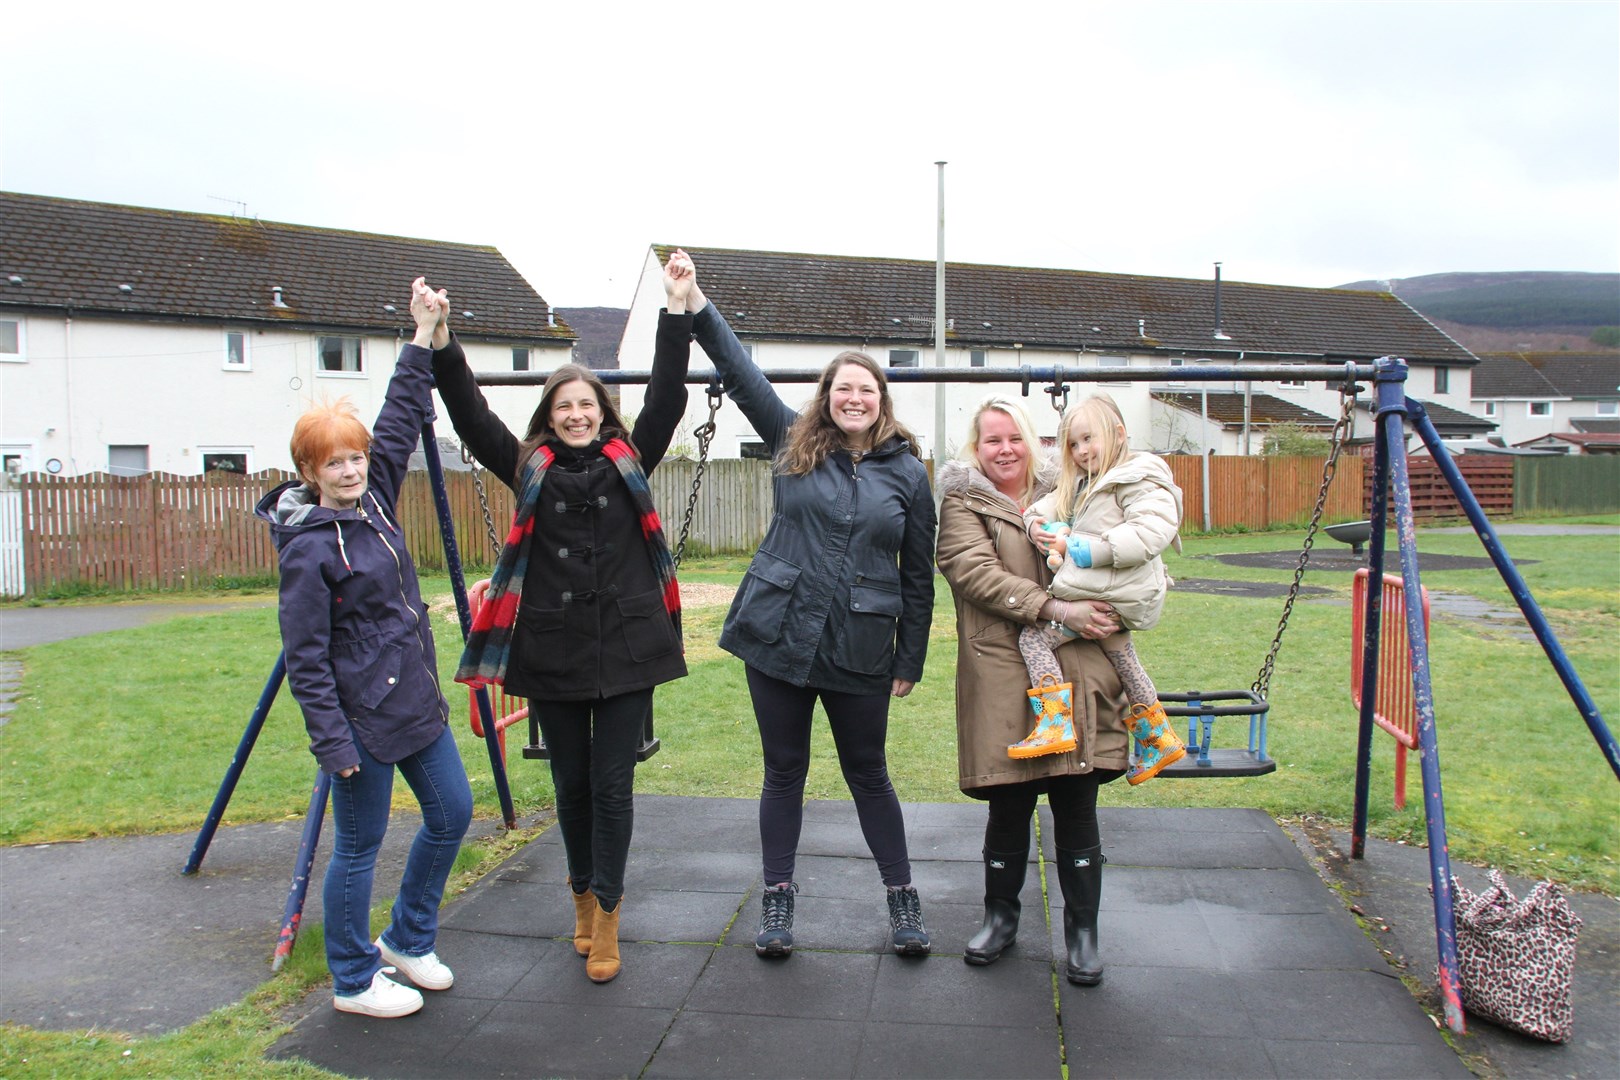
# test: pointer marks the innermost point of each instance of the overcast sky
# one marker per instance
(1300, 143)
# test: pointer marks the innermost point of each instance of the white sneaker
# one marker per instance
(424, 971)
(383, 998)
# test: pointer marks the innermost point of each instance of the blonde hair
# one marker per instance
(814, 435)
(1015, 412)
(1108, 428)
(322, 431)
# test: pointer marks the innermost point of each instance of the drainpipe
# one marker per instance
(939, 330)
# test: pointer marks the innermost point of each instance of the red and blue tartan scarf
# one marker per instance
(489, 644)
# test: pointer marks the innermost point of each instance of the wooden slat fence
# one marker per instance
(1489, 477)
(177, 532)
(1264, 492)
(1579, 484)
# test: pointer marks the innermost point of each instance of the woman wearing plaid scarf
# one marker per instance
(583, 613)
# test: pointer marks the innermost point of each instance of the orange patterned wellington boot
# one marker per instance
(1157, 738)
(1053, 703)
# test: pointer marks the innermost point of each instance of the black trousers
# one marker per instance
(860, 726)
(593, 748)
(1074, 811)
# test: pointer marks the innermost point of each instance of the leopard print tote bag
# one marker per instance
(1516, 958)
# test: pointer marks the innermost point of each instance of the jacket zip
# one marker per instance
(399, 577)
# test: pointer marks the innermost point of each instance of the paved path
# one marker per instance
(1227, 957)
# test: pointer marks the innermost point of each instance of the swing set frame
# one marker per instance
(1393, 411)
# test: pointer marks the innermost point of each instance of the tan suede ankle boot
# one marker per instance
(584, 919)
(603, 963)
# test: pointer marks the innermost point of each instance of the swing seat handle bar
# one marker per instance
(1254, 703)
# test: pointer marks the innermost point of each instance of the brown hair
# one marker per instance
(814, 435)
(324, 430)
(540, 428)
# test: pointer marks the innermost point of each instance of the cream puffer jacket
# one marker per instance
(1136, 511)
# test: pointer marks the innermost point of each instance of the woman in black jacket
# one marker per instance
(583, 613)
(835, 606)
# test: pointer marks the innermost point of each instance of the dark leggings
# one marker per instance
(1074, 811)
(593, 748)
(860, 724)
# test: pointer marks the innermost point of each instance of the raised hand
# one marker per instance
(680, 278)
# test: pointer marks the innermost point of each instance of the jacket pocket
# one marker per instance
(648, 629)
(762, 602)
(539, 646)
(380, 681)
(867, 643)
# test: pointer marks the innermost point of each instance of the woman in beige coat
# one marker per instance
(999, 581)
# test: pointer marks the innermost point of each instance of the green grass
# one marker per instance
(131, 732)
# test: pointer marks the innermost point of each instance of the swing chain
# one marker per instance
(704, 435)
(483, 500)
(1341, 431)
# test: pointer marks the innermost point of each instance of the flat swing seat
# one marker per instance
(1203, 761)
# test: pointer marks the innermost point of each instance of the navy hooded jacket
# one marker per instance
(359, 646)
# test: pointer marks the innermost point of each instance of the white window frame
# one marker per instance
(21, 355)
(244, 452)
(1608, 408)
(1490, 408)
(978, 358)
(247, 351)
(21, 453)
(1291, 384)
(897, 358)
(527, 358)
(1531, 407)
(1113, 361)
(343, 373)
(1442, 380)
(1176, 362)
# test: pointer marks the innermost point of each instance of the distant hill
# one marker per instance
(1540, 310)
(599, 330)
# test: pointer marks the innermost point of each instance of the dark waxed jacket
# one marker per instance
(841, 592)
(591, 621)
(354, 630)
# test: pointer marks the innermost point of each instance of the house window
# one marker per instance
(236, 351)
(1541, 408)
(520, 359)
(1177, 362)
(128, 460)
(748, 351)
(1112, 361)
(1442, 380)
(226, 461)
(11, 341)
(1490, 408)
(13, 464)
(1299, 383)
(341, 354)
(904, 357)
(753, 448)
(978, 357)
(1608, 408)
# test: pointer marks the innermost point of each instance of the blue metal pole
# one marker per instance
(1515, 583)
(293, 914)
(1391, 417)
(227, 787)
(458, 585)
(1378, 516)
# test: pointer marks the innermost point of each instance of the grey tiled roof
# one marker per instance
(77, 255)
(777, 294)
(1226, 407)
(1576, 375)
(1509, 375)
(1597, 425)
(1446, 420)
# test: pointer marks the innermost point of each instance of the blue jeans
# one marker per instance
(359, 819)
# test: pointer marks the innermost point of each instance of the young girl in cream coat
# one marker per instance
(1104, 526)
